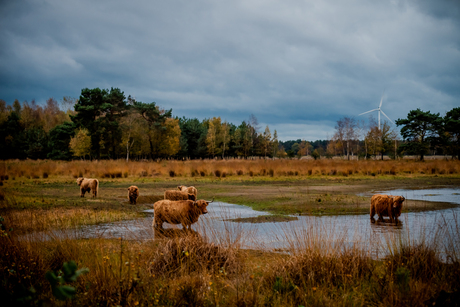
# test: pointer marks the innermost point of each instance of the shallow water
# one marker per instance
(327, 232)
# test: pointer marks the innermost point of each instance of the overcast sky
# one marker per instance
(298, 66)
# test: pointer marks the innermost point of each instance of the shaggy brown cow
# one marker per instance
(397, 206)
(87, 185)
(190, 190)
(386, 205)
(133, 194)
(185, 212)
(178, 195)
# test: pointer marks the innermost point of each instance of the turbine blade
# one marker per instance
(381, 100)
(369, 111)
(387, 117)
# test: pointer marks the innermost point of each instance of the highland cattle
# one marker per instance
(189, 190)
(87, 185)
(386, 205)
(184, 212)
(178, 195)
(133, 194)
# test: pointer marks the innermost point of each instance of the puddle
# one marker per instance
(440, 227)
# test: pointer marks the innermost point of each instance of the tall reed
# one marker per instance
(225, 168)
(320, 265)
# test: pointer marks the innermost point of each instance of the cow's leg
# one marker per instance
(391, 218)
(157, 223)
(372, 214)
(82, 192)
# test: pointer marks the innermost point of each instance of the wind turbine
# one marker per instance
(380, 111)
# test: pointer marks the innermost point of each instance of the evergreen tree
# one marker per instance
(37, 143)
(419, 128)
(59, 139)
(155, 120)
(13, 142)
(192, 130)
(100, 111)
(452, 128)
(243, 140)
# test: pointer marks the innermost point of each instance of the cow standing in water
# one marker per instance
(386, 205)
(184, 212)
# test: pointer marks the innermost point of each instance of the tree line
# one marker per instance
(104, 124)
(422, 133)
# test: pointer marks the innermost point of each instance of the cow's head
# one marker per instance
(79, 180)
(202, 204)
(397, 204)
(133, 190)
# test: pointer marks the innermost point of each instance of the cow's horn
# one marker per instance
(210, 201)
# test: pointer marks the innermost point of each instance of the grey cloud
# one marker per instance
(290, 63)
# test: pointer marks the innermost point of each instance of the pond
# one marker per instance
(327, 232)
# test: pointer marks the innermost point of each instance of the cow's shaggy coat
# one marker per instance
(189, 190)
(133, 194)
(87, 185)
(386, 205)
(179, 195)
(185, 212)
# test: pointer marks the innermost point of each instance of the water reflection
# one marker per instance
(326, 232)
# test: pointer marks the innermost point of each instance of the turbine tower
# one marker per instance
(380, 111)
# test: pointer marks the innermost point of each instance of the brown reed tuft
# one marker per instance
(259, 167)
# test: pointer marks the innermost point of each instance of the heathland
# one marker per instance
(40, 196)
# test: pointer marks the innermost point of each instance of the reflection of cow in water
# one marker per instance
(185, 212)
(386, 205)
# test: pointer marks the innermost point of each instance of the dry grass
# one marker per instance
(186, 269)
(29, 220)
(190, 270)
(225, 168)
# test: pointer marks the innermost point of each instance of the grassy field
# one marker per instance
(186, 270)
(281, 196)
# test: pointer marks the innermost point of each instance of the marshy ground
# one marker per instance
(192, 271)
(59, 198)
